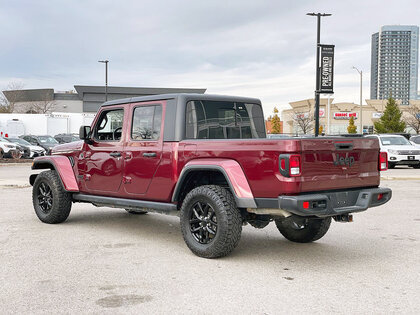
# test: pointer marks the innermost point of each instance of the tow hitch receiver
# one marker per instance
(343, 218)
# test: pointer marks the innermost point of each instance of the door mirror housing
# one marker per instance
(84, 134)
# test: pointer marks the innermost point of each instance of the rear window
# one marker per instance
(224, 120)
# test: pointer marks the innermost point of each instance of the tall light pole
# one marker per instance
(361, 111)
(318, 86)
(106, 77)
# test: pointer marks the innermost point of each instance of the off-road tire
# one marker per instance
(138, 212)
(61, 200)
(312, 231)
(229, 221)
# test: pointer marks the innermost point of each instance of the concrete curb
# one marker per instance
(15, 186)
(14, 164)
(399, 178)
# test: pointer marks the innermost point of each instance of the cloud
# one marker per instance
(263, 49)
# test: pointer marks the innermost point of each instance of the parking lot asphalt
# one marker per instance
(104, 260)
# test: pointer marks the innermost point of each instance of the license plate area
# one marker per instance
(343, 199)
(410, 157)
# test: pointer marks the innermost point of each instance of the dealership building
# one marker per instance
(334, 118)
(83, 99)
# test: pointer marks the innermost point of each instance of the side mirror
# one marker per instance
(84, 133)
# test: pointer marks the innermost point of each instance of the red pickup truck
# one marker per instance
(206, 158)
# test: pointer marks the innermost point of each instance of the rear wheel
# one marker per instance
(51, 202)
(211, 223)
(303, 230)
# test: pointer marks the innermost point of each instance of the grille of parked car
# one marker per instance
(408, 152)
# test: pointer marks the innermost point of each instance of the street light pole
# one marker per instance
(361, 111)
(106, 77)
(317, 86)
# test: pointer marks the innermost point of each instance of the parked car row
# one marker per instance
(30, 146)
(400, 150)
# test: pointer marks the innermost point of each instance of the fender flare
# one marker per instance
(232, 172)
(61, 164)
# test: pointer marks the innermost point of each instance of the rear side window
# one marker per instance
(224, 120)
(146, 122)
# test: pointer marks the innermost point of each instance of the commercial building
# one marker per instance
(83, 99)
(334, 119)
(394, 63)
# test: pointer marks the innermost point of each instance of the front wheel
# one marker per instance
(211, 223)
(51, 202)
(303, 230)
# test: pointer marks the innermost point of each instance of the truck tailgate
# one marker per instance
(337, 163)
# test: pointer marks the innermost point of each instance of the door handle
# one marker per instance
(115, 154)
(149, 154)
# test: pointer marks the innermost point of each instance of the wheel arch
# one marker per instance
(228, 171)
(60, 164)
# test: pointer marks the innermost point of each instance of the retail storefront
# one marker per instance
(334, 117)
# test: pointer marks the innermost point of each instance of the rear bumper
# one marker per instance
(409, 159)
(330, 203)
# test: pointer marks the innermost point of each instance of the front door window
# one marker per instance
(109, 127)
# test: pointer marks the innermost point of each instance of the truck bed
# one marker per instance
(320, 170)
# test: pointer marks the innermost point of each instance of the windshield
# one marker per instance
(47, 139)
(3, 140)
(20, 141)
(395, 141)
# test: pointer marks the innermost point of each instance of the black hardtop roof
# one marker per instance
(185, 97)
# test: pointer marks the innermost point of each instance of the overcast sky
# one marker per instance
(263, 49)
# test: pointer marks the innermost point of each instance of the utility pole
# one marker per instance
(106, 77)
(318, 75)
(361, 110)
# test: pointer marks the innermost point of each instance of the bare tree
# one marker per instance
(304, 120)
(10, 96)
(45, 105)
(412, 119)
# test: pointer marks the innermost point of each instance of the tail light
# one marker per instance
(383, 161)
(290, 165)
(294, 165)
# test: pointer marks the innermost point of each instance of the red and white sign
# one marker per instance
(306, 114)
(345, 115)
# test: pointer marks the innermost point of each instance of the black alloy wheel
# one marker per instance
(211, 223)
(52, 204)
(45, 197)
(203, 222)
